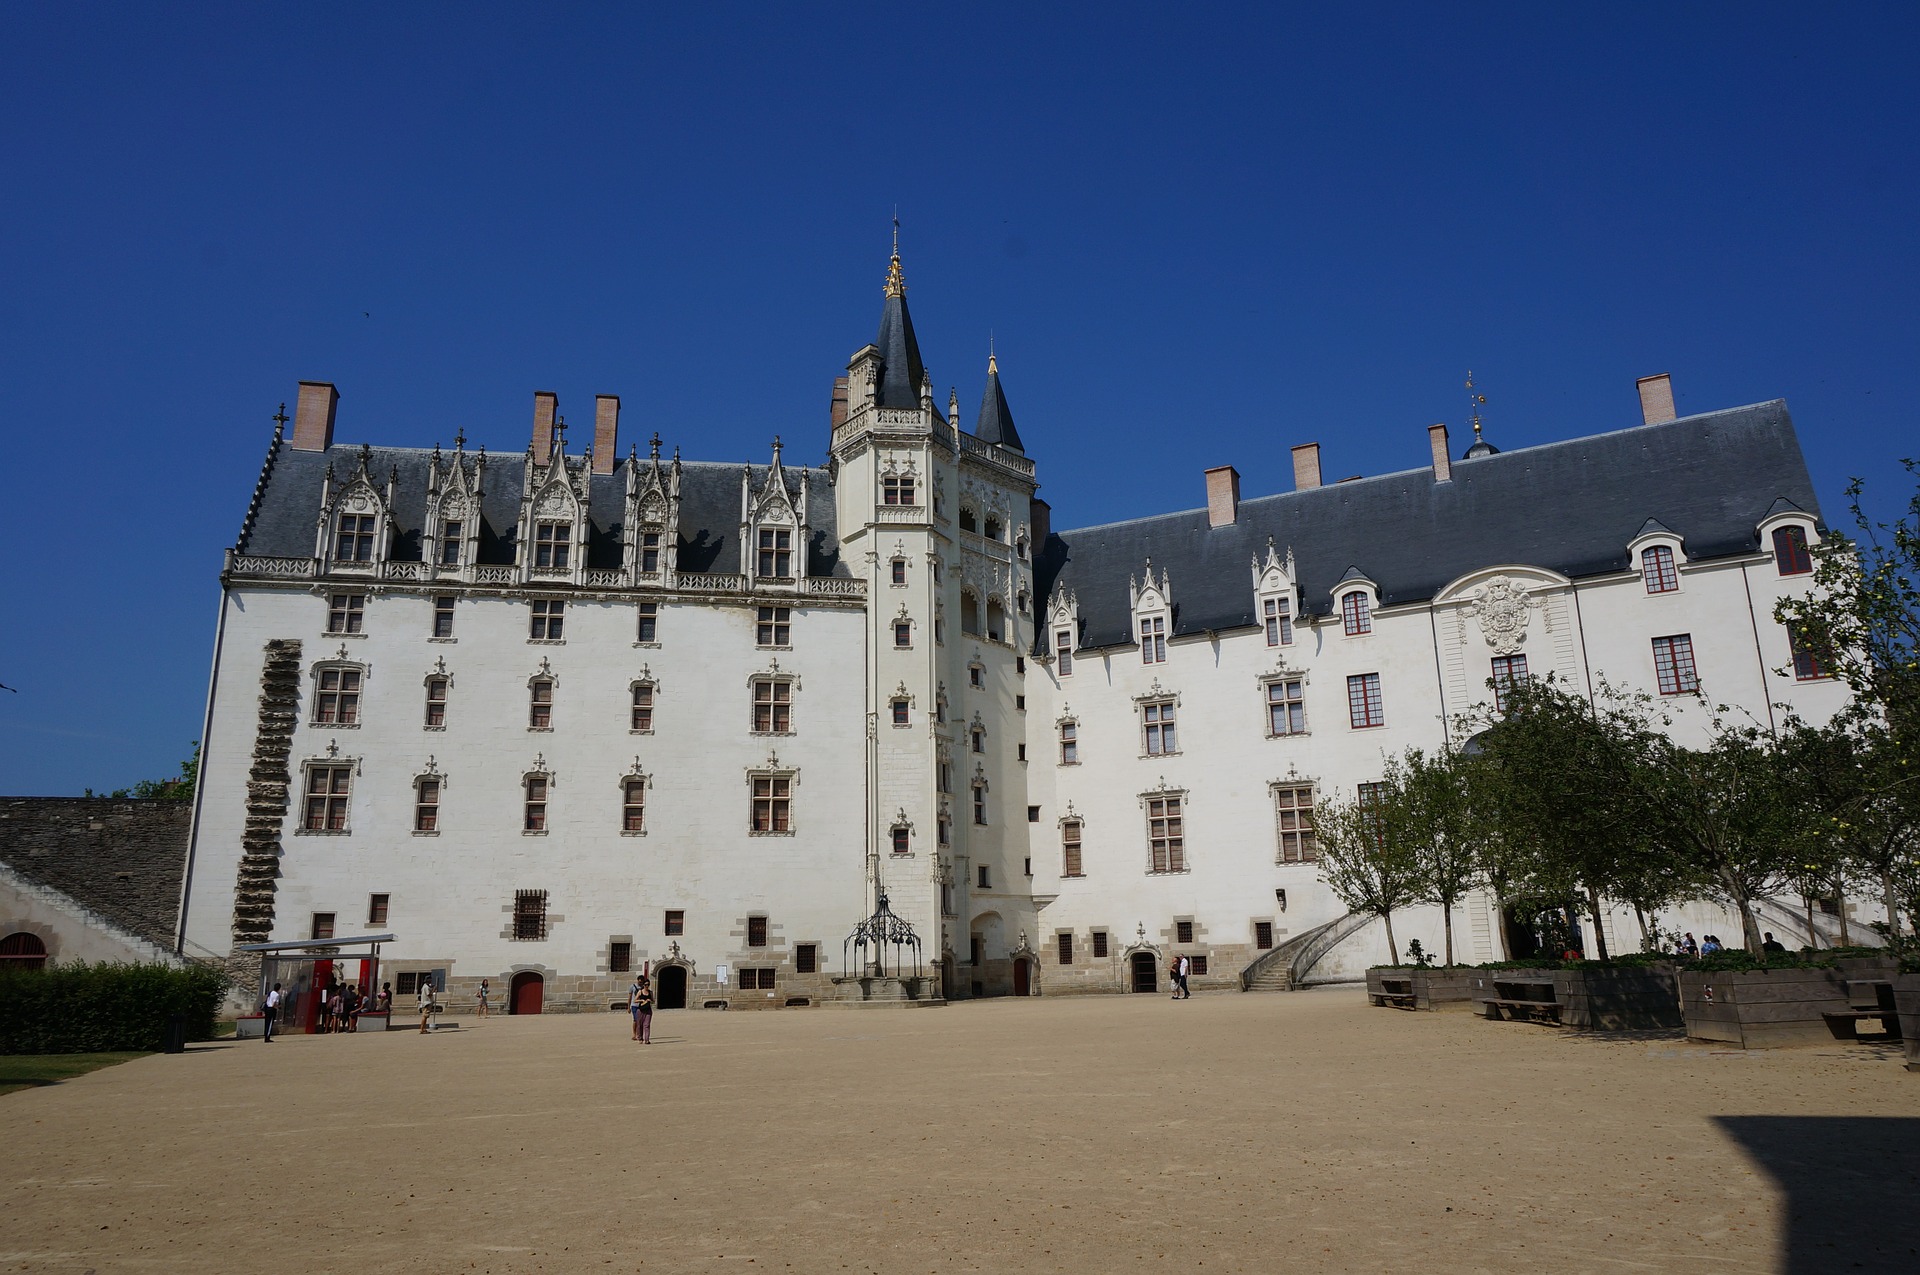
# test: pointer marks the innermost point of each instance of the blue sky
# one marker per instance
(1199, 235)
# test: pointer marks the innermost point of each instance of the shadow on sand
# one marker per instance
(1851, 1184)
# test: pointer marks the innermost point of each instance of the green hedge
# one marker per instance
(91, 1009)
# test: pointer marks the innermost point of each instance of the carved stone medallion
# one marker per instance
(1501, 605)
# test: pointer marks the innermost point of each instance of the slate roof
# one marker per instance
(901, 369)
(1571, 506)
(287, 516)
(996, 418)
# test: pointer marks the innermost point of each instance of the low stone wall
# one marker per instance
(122, 858)
(1619, 998)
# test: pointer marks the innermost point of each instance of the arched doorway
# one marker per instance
(1022, 977)
(525, 993)
(670, 987)
(23, 951)
(1146, 972)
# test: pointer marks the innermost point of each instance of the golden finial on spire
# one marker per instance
(993, 366)
(896, 281)
(1476, 401)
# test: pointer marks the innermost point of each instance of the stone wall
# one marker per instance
(122, 858)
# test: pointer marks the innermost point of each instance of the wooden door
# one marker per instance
(1020, 981)
(670, 987)
(1145, 973)
(525, 992)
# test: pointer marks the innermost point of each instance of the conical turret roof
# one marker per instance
(996, 418)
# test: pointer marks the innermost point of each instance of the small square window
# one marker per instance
(1020, 703)
(619, 958)
(443, 616)
(346, 612)
(1263, 934)
(322, 925)
(806, 958)
(774, 627)
(547, 619)
(1033, 814)
(676, 922)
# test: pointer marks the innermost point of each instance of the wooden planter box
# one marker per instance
(1414, 987)
(1768, 1009)
(1619, 998)
(1906, 995)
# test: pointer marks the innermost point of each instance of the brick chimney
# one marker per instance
(1306, 466)
(1656, 399)
(606, 432)
(838, 411)
(1223, 496)
(546, 406)
(313, 416)
(1442, 460)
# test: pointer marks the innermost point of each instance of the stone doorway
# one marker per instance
(670, 987)
(525, 993)
(1146, 972)
(1022, 977)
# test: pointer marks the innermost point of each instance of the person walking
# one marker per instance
(640, 1005)
(426, 1003)
(484, 992)
(270, 1011)
(1186, 968)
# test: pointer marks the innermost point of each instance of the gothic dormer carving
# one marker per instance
(355, 529)
(651, 552)
(773, 528)
(554, 504)
(450, 540)
(1276, 595)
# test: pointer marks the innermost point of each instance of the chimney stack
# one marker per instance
(1442, 461)
(1656, 399)
(606, 432)
(1040, 518)
(313, 416)
(1223, 496)
(546, 406)
(1306, 466)
(837, 412)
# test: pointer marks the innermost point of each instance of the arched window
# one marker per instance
(22, 951)
(969, 521)
(1790, 551)
(1356, 614)
(1656, 567)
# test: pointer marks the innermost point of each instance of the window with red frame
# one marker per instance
(1790, 551)
(1363, 701)
(1356, 614)
(1656, 567)
(1673, 664)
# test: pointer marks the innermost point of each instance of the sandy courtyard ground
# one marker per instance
(1298, 1132)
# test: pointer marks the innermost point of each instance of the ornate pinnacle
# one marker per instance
(896, 281)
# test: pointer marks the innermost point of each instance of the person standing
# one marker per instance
(640, 1004)
(426, 1002)
(271, 1011)
(484, 991)
(352, 1008)
(1183, 968)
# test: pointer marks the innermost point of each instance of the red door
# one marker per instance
(524, 993)
(1020, 987)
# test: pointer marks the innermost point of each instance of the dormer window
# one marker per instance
(1277, 614)
(1063, 651)
(1153, 640)
(1656, 567)
(450, 536)
(1790, 551)
(1356, 614)
(353, 538)
(897, 489)
(551, 545)
(776, 554)
(650, 551)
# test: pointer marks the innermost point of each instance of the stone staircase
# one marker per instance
(140, 948)
(1288, 965)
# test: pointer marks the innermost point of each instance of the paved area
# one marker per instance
(1301, 1132)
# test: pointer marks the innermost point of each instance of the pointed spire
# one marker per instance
(896, 278)
(996, 418)
(901, 370)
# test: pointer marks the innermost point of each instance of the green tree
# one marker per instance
(179, 788)
(1370, 869)
(1429, 809)
(1862, 807)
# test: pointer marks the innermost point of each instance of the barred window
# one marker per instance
(1166, 837)
(756, 931)
(806, 958)
(776, 554)
(1790, 551)
(1065, 942)
(1509, 671)
(1157, 721)
(649, 622)
(1262, 935)
(1656, 566)
(443, 616)
(1356, 614)
(772, 706)
(536, 804)
(529, 915)
(1293, 817)
(774, 627)
(1183, 931)
(619, 957)
(551, 545)
(772, 803)
(1363, 701)
(336, 697)
(540, 704)
(1153, 640)
(1278, 613)
(1070, 862)
(328, 791)
(353, 538)
(1100, 945)
(346, 612)
(450, 533)
(633, 807)
(426, 805)
(436, 716)
(1673, 664)
(1286, 707)
(641, 715)
(549, 618)
(756, 980)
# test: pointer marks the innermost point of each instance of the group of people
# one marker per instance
(337, 1008)
(640, 1008)
(1711, 943)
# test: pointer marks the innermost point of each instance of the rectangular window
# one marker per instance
(776, 554)
(1509, 671)
(1033, 814)
(377, 909)
(1019, 703)
(1293, 816)
(536, 805)
(1065, 942)
(549, 619)
(346, 612)
(756, 980)
(775, 627)
(408, 984)
(426, 805)
(806, 958)
(633, 807)
(1183, 931)
(973, 676)
(1199, 962)
(1069, 743)
(1656, 566)
(901, 712)
(619, 958)
(1153, 640)
(443, 616)
(946, 898)
(436, 718)
(1286, 707)
(1263, 935)
(902, 839)
(1673, 664)
(1808, 666)
(641, 715)
(1063, 651)
(676, 922)
(328, 788)
(945, 779)
(903, 633)
(450, 533)
(756, 931)
(772, 706)
(1363, 701)
(649, 622)
(1356, 614)
(354, 540)
(897, 489)
(529, 914)
(1278, 613)
(899, 570)
(946, 831)
(1157, 720)
(336, 699)
(322, 925)
(650, 551)
(1166, 837)
(552, 545)
(980, 803)
(979, 738)
(1790, 551)
(540, 705)
(1100, 945)
(985, 877)
(772, 803)
(1070, 862)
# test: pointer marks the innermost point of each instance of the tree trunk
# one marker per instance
(1393, 952)
(1446, 924)
(1813, 935)
(1840, 905)
(1749, 928)
(1646, 939)
(1599, 924)
(1893, 909)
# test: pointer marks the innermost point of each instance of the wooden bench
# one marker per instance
(1522, 1001)
(1845, 1023)
(1397, 992)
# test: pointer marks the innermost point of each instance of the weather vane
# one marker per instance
(1476, 402)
